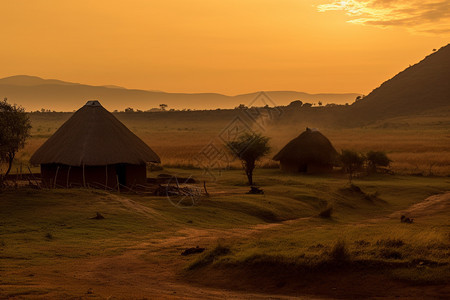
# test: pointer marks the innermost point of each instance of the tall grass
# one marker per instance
(421, 148)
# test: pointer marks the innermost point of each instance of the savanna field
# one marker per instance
(308, 237)
(417, 145)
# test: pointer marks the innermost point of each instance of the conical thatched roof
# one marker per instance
(94, 137)
(309, 147)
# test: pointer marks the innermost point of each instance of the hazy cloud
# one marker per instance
(427, 16)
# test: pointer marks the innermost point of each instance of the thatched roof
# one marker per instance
(94, 137)
(309, 147)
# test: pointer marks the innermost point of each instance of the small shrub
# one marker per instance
(49, 236)
(317, 246)
(339, 252)
(377, 159)
(392, 243)
(326, 213)
(355, 188)
(371, 196)
(362, 243)
(209, 256)
(351, 189)
(390, 254)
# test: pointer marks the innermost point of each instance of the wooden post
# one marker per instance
(204, 186)
(32, 176)
(106, 184)
(118, 184)
(84, 178)
(56, 175)
(67, 179)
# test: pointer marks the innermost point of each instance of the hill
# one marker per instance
(420, 87)
(35, 93)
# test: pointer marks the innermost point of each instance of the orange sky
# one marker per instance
(227, 46)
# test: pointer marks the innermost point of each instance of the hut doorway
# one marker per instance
(121, 172)
(303, 168)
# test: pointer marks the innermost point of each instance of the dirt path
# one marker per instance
(433, 205)
(148, 270)
(151, 270)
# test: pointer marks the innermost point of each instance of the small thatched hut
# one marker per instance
(93, 148)
(310, 152)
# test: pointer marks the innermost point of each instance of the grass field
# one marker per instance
(417, 145)
(276, 243)
(50, 247)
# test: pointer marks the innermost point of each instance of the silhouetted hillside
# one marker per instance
(35, 93)
(423, 86)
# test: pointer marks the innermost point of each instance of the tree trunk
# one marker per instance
(249, 167)
(250, 178)
(10, 161)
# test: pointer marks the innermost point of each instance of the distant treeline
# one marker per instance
(296, 104)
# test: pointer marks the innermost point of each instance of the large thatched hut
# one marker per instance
(310, 152)
(93, 148)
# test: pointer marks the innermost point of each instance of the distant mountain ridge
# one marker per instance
(26, 80)
(34, 93)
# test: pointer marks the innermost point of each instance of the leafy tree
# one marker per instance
(377, 159)
(296, 104)
(241, 106)
(14, 130)
(163, 106)
(249, 148)
(351, 162)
